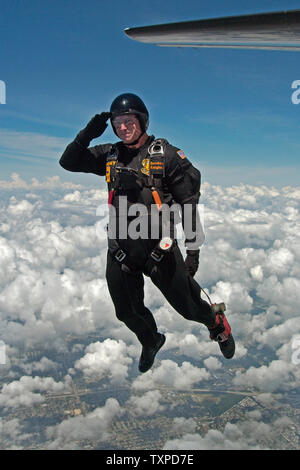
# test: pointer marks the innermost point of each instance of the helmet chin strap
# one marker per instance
(136, 141)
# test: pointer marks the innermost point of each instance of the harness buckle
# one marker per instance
(120, 255)
(156, 148)
(157, 255)
(164, 246)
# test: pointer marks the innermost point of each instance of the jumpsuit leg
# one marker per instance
(127, 293)
(181, 290)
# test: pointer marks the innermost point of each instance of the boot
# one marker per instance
(221, 331)
(149, 353)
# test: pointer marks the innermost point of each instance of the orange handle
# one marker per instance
(156, 198)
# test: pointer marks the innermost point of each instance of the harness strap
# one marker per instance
(157, 254)
(156, 152)
(121, 256)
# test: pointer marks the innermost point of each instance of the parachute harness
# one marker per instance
(156, 171)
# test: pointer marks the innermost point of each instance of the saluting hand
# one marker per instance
(95, 128)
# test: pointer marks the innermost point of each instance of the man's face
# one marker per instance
(127, 128)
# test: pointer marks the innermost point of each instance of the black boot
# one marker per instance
(149, 353)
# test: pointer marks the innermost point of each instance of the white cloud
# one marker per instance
(51, 182)
(172, 375)
(107, 359)
(280, 334)
(285, 294)
(184, 425)
(41, 297)
(250, 434)
(29, 390)
(190, 345)
(269, 378)
(234, 294)
(48, 236)
(146, 405)
(231, 439)
(32, 144)
(257, 273)
(15, 208)
(94, 426)
(43, 365)
(12, 434)
(212, 363)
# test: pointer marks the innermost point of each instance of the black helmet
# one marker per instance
(128, 103)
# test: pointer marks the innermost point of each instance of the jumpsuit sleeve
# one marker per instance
(183, 181)
(77, 157)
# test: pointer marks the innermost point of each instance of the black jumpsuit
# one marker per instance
(170, 275)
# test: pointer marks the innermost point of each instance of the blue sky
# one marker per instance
(63, 61)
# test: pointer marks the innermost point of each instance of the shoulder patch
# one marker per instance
(181, 154)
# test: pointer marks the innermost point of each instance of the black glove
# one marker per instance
(192, 261)
(94, 129)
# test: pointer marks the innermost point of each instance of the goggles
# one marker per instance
(127, 121)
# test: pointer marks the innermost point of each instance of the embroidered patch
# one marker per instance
(108, 168)
(145, 165)
(181, 154)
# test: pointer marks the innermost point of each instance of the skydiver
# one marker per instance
(154, 173)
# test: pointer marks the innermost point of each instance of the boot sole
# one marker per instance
(228, 354)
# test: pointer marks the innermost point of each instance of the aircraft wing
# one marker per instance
(271, 31)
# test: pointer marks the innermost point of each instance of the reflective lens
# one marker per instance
(126, 121)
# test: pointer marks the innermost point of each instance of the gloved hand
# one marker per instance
(94, 128)
(192, 261)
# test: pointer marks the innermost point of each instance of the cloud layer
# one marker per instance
(53, 296)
